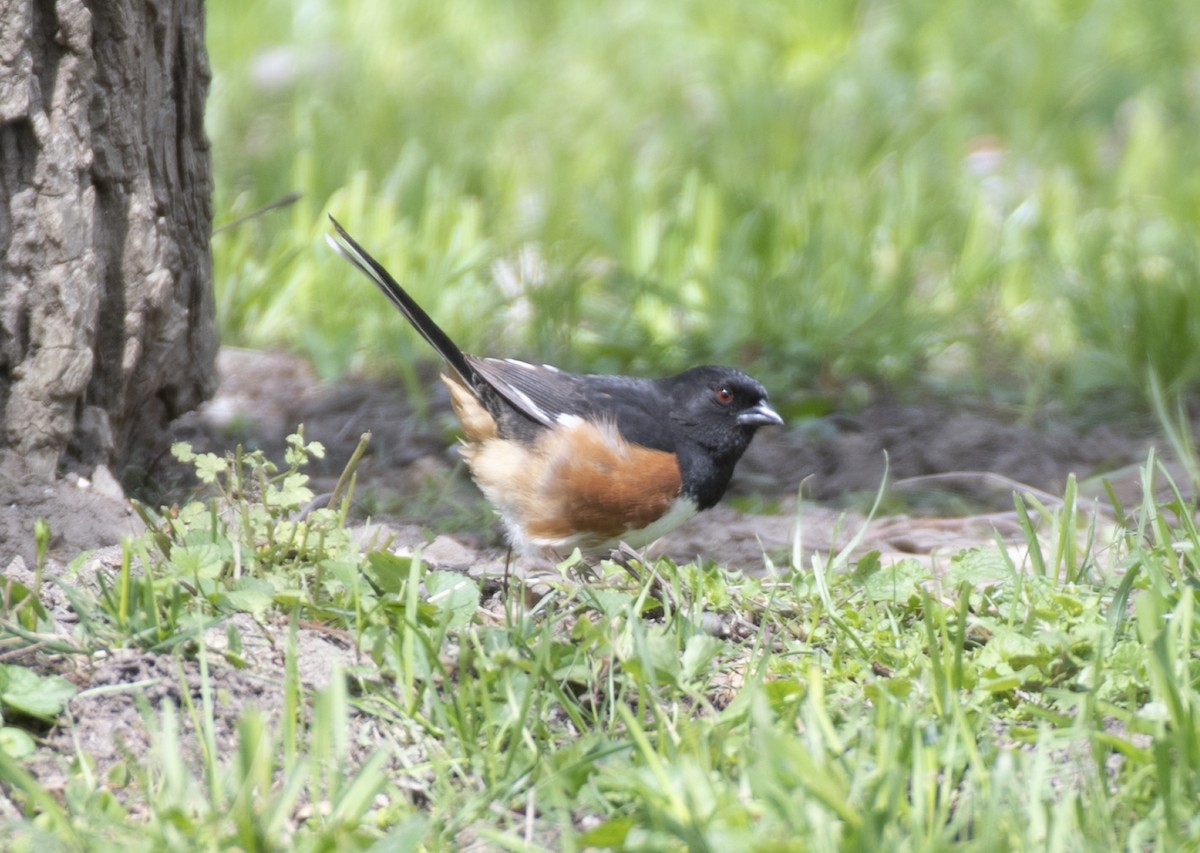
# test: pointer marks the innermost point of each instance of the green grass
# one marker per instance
(1041, 696)
(804, 189)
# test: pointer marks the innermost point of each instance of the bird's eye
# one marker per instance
(724, 396)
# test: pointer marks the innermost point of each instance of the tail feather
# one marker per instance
(349, 249)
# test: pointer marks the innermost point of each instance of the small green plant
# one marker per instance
(26, 628)
(41, 539)
(262, 519)
(277, 783)
(25, 692)
(258, 542)
(1022, 694)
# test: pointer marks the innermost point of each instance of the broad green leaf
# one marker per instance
(896, 583)
(977, 566)
(250, 595)
(42, 696)
(453, 594)
(697, 654)
(387, 570)
(15, 742)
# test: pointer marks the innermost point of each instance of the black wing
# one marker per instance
(541, 393)
(638, 407)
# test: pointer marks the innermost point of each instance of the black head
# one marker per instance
(722, 400)
(716, 410)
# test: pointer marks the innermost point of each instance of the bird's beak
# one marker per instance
(760, 415)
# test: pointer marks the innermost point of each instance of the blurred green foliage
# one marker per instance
(991, 194)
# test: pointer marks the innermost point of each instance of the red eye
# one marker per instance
(724, 396)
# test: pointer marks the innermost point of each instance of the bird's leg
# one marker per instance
(584, 570)
(624, 556)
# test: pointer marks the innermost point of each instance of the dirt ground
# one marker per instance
(952, 471)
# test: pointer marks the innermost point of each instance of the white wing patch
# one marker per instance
(525, 403)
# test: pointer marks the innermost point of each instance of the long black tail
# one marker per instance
(349, 249)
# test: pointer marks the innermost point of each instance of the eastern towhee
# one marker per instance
(583, 460)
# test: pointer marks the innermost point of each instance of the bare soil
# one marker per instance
(972, 458)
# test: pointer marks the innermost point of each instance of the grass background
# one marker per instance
(1001, 197)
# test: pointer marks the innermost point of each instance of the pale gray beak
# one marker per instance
(760, 415)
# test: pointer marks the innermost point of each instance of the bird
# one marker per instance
(586, 461)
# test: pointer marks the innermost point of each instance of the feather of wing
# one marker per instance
(637, 407)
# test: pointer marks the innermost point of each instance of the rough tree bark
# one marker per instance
(106, 311)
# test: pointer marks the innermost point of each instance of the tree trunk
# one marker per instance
(106, 310)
